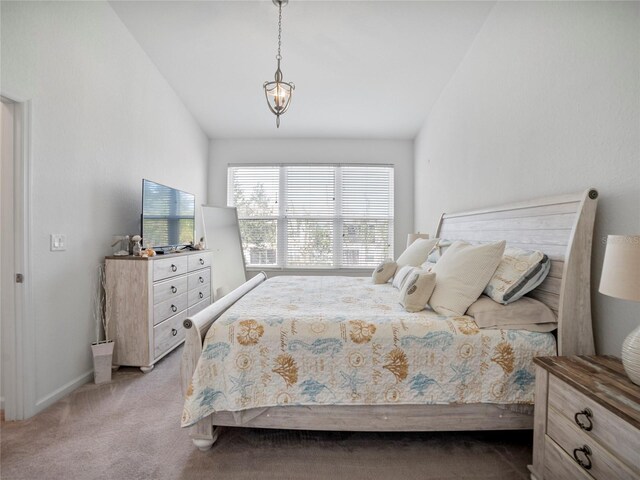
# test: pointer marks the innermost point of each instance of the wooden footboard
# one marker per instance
(196, 329)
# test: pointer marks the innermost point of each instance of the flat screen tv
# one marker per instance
(168, 215)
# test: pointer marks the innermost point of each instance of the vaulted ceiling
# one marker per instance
(362, 69)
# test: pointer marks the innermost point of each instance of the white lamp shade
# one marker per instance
(412, 237)
(621, 267)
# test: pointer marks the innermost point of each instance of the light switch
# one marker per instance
(58, 242)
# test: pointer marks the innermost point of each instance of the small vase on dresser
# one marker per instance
(587, 420)
(148, 298)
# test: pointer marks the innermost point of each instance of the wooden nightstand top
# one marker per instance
(600, 378)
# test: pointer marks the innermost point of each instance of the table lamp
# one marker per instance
(621, 279)
(412, 237)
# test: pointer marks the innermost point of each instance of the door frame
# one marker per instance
(20, 386)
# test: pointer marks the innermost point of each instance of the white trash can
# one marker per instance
(102, 359)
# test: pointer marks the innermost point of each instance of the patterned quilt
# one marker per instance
(342, 340)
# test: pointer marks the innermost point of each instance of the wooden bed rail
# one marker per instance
(197, 326)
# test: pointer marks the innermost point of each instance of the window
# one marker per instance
(313, 216)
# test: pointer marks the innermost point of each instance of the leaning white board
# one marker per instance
(222, 237)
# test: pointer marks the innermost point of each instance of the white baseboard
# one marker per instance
(64, 390)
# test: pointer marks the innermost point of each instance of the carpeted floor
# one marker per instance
(129, 429)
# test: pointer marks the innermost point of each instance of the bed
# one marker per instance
(338, 353)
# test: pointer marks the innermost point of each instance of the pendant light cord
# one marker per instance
(279, 57)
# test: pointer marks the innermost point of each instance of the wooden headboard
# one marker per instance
(562, 228)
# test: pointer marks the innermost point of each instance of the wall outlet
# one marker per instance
(58, 242)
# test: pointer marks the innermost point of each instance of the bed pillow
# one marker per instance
(416, 291)
(463, 272)
(417, 252)
(519, 272)
(384, 272)
(525, 314)
(427, 266)
(401, 275)
(439, 249)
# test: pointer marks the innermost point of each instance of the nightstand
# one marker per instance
(587, 420)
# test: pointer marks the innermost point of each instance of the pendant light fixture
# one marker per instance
(279, 92)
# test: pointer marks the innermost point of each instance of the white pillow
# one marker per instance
(401, 276)
(416, 290)
(462, 273)
(417, 252)
(384, 272)
(519, 272)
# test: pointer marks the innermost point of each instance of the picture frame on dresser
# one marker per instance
(147, 301)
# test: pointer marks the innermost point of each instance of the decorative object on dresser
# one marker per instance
(148, 298)
(587, 420)
(137, 245)
(621, 279)
(120, 245)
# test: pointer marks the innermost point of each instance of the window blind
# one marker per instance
(313, 216)
(255, 192)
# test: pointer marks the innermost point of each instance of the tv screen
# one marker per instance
(168, 215)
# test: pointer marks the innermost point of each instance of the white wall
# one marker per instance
(102, 119)
(546, 101)
(398, 153)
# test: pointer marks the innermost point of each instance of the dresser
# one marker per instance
(587, 420)
(147, 299)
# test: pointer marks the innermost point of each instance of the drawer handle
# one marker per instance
(586, 451)
(201, 261)
(174, 332)
(173, 289)
(173, 268)
(174, 309)
(588, 414)
(201, 279)
(201, 295)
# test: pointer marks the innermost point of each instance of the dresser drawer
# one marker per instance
(559, 466)
(169, 308)
(198, 294)
(199, 279)
(606, 427)
(168, 334)
(168, 289)
(598, 461)
(199, 306)
(199, 260)
(169, 267)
